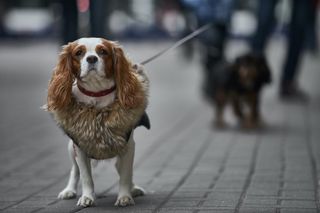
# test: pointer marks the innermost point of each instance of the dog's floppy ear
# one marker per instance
(60, 85)
(128, 87)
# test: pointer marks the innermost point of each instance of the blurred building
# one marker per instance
(134, 19)
(125, 18)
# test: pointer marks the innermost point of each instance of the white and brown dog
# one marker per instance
(97, 96)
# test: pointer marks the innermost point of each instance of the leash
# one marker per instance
(178, 43)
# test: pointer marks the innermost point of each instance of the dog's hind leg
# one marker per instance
(254, 119)
(220, 102)
(237, 109)
(124, 166)
(70, 191)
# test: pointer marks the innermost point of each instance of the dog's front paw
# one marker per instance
(67, 194)
(137, 191)
(125, 200)
(85, 201)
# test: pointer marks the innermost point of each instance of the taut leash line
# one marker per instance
(178, 43)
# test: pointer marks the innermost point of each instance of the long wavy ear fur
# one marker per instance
(60, 85)
(129, 91)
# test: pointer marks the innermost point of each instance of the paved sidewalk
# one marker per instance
(184, 164)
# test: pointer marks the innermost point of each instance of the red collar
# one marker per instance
(97, 94)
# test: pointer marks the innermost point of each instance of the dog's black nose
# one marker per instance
(92, 59)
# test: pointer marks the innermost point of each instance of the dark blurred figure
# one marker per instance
(187, 12)
(70, 18)
(302, 14)
(2, 12)
(312, 35)
(98, 18)
(69, 21)
(240, 83)
(218, 13)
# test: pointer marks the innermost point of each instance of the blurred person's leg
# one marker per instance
(312, 35)
(300, 18)
(265, 19)
(214, 43)
(98, 11)
(69, 20)
(188, 47)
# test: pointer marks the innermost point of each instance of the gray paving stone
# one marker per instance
(176, 211)
(257, 210)
(222, 184)
(266, 191)
(260, 201)
(220, 203)
(306, 194)
(5, 204)
(299, 204)
(299, 185)
(224, 195)
(217, 211)
(264, 185)
(181, 203)
(284, 210)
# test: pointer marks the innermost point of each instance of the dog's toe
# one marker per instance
(85, 201)
(124, 201)
(67, 194)
(137, 191)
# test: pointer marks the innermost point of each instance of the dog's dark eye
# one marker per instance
(79, 53)
(102, 52)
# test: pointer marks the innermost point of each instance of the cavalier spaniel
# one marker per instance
(240, 83)
(97, 96)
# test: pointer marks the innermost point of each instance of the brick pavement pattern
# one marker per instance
(184, 164)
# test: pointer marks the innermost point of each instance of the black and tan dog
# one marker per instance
(239, 83)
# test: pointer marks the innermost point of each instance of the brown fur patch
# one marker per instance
(105, 52)
(60, 85)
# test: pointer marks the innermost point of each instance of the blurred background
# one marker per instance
(33, 31)
(125, 19)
